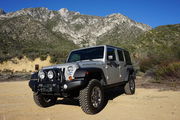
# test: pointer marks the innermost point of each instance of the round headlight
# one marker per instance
(70, 69)
(41, 74)
(50, 74)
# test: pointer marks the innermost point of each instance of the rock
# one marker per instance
(2, 12)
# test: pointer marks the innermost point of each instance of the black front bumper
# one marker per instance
(57, 87)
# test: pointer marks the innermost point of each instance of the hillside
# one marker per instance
(163, 41)
(38, 32)
(158, 51)
(24, 36)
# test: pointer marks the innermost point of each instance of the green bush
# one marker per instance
(147, 63)
(43, 57)
(168, 70)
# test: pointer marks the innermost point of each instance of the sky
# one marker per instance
(151, 12)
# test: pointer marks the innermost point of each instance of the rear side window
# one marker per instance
(120, 55)
(127, 57)
(111, 51)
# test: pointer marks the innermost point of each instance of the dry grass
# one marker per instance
(23, 65)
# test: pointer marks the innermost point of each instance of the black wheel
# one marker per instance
(44, 101)
(91, 98)
(129, 88)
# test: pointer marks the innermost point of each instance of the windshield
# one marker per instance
(86, 54)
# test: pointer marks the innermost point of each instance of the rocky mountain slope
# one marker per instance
(38, 31)
(80, 27)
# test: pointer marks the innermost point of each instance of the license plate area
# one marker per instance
(49, 88)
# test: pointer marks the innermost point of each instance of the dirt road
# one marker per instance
(16, 103)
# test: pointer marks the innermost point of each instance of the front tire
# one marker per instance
(91, 98)
(129, 88)
(44, 101)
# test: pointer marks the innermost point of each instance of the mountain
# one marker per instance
(24, 36)
(34, 32)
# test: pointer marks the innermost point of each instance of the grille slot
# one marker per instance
(61, 74)
(62, 70)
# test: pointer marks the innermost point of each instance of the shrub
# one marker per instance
(43, 57)
(20, 57)
(147, 63)
(53, 59)
(168, 70)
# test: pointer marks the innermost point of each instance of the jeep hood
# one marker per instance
(60, 66)
(77, 64)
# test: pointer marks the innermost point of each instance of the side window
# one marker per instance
(120, 55)
(111, 52)
(128, 59)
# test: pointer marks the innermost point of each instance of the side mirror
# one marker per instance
(110, 58)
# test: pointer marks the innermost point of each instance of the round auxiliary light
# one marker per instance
(41, 74)
(50, 74)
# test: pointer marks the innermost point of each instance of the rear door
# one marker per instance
(122, 68)
(128, 64)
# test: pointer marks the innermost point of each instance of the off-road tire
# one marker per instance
(129, 87)
(44, 101)
(85, 97)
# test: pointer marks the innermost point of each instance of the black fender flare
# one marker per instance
(87, 72)
(34, 76)
(33, 81)
(132, 72)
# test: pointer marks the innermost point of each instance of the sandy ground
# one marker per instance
(16, 103)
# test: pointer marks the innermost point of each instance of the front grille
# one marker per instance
(58, 75)
(62, 74)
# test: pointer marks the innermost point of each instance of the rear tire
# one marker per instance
(44, 101)
(91, 98)
(129, 88)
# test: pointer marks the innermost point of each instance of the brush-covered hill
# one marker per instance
(38, 32)
(158, 50)
(163, 42)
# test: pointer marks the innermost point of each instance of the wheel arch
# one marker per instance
(132, 72)
(91, 73)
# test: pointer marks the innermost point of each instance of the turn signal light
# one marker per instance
(70, 78)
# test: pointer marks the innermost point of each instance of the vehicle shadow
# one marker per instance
(112, 93)
(68, 101)
(109, 94)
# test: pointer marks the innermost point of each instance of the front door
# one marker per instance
(112, 67)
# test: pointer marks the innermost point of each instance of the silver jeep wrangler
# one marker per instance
(85, 75)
